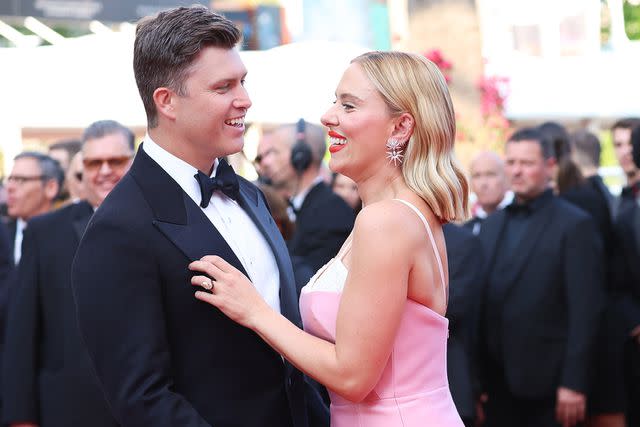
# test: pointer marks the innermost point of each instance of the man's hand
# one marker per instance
(570, 407)
(635, 333)
(480, 416)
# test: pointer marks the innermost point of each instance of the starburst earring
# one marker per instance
(394, 151)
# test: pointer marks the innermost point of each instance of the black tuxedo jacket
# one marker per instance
(590, 199)
(11, 238)
(466, 284)
(6, 280)
(47, 371)
(546, 308)
(164, 358)
(626, 263)
(323, 223)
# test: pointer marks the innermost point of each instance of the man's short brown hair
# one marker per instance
(167, 44)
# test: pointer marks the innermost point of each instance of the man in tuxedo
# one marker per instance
(490, 185)
(48, 377)
(543, 298)
(621, 136)
(466, 284)
(32, 186)
(163, 358)
(627, 269)
(607, 399)
(290, 157)
(585, 152)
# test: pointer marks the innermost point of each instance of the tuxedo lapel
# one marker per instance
(182, 221)
(198, 237)
(177, 216)
(12, 226)
(250, 202)
(82, 213)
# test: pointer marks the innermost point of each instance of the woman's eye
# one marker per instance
(347, 106)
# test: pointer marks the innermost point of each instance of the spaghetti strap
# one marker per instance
(345, 249)
(433, 242)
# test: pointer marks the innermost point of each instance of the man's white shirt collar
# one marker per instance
(182, 172)
(298, 199)
(506, 200)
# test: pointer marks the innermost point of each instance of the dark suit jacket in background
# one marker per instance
(323, 223)
(626, 266)
(48, 375)
(6, 280)
(548, 305)
(590, 199)
(164, 358)
(466, 284)
(11, 238)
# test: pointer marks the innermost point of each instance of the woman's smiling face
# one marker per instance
(359, 125)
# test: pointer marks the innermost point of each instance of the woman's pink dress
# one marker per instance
(413, 390)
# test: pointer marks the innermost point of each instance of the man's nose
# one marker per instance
(243, 100)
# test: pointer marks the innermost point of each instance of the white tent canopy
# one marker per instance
(91, 78)
(85, 79)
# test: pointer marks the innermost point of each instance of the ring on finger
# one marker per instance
(207, 284)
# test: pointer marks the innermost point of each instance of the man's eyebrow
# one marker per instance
(229, 79)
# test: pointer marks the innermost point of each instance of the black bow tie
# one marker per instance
(225, 181)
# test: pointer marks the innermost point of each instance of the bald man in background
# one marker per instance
(490, 185)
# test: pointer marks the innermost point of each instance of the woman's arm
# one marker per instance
(369, 314)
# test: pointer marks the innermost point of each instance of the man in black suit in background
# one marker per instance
(543, 299)
(290, 158)
(490, 185)
(48, 377)
(466, 285)
(627, 269)
(32, 186)
(164, 358)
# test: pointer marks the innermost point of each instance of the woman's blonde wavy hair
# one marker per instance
(413, 84)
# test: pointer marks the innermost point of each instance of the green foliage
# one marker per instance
(607, 155)
(632, 19)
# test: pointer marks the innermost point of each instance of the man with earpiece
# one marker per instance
(290, 157)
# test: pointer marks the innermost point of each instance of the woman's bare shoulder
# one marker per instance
(388, 220)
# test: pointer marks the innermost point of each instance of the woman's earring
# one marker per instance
(394, 151)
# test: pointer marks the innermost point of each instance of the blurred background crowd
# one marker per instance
(544, 276)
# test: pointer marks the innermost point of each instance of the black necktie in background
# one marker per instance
(225, 180)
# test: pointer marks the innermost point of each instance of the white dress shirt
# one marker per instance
(231, 221)
(482, 214)
(21, 224)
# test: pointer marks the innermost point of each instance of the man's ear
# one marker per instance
(551, 166)
(403, 128)
(51, 189)
(165, 99)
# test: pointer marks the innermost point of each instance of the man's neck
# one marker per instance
(589, 171)
(307, 180)
(164, 139)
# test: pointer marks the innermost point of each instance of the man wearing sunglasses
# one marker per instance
(48, 379)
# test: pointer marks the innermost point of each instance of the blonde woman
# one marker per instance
(375, 332)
